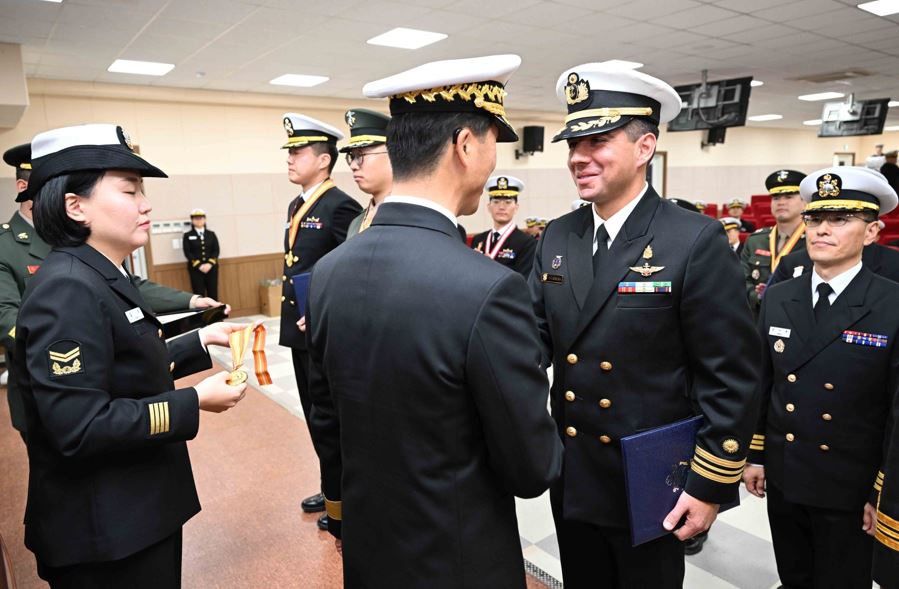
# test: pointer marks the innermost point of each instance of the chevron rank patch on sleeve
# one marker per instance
(64, 358)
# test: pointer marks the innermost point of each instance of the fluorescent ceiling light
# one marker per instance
(821, 96)
(893, 103)
(756, 83)
(891, 128)
(54, 1)
(759, 118)
(812, 122)
(144, 68)
(623, 64)
(403, 38)
(881, 7)
(301, 80)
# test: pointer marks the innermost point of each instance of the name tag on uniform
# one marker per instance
(779, 331)
(797, 271)
(546, 278)
(134, 315)
(191, 236)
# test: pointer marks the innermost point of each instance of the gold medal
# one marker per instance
(779, 346)
(237, 377)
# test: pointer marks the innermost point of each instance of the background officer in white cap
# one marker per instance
(317, 222)
(366, 154)
(627, 361)
(201, 248)
(829, 378)
(732, 228)
(735, 209)
(432, 416)
(505, 242)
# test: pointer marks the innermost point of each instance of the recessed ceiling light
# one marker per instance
(893, 103)
(403, 38)
(144, 68)
(623, 64)
(821, 96)
(759, 118)
(891, 128)
(756, 83)
(881, 7)
(812, 122)
(301, 80)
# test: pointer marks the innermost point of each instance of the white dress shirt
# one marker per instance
(423, 202)
(615, 222)
(838, 283)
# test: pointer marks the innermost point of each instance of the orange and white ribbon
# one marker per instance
(239, 340)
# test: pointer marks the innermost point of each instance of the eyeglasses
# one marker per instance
(834, 220)
(359, 158)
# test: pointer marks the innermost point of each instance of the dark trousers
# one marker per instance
(818, 548)
(600, 557)
(205, 285)
(155, 567)
(301, 371)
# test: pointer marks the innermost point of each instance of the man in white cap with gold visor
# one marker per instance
(317, 222)
(431, 418)
(634, 297)
(505, 242)
(829, 385)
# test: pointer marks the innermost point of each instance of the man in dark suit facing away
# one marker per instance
(429, 404)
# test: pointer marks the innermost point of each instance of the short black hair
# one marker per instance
(637, 128)
(51, 221)
(322, 147)
(416, 141)
(23, 174)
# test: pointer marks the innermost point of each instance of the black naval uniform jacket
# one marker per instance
(886, 549)
(429, 407)
(826, 401)
(517, 252)
(109, 470)
(625, 362)
(877, 258)
(323, 228)
(199, 249)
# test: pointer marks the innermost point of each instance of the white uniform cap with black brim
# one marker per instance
(849, 189)
(303, 130)
(84, 148)
(474, 85)
(602, 98)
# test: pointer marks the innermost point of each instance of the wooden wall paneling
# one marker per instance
(239, 279)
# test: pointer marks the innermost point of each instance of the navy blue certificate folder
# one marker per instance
(301, 290)
(656, 463)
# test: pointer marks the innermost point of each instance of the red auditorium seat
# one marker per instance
(765, 221)
(744, 235)
(711, 210)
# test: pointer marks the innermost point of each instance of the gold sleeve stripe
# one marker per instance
(730, 464)
(334, 509)
(757, 447)
(718, 469)
(159, 417)
(886, 541)
(758, 437)
(715, 477)
(12, 332)
(887, 520)
(880, 476)
(892, 534)
(878, 485)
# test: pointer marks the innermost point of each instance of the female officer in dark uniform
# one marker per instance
(110, 482)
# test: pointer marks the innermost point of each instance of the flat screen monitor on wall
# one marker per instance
(712, 105)
(854, 117)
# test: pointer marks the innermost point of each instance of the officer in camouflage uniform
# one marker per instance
(764, 249)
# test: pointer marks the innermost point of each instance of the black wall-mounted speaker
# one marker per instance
(533, 139)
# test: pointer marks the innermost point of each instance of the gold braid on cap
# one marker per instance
(465, 92)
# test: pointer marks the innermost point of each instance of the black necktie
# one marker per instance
(823, 303)
(602, 247)
(495, 239)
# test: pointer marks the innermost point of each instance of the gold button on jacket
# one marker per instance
(791, 377)
(570, 432)
(606, 366)
(572, 358)
(605, 403)
(790, 437)
(569, 395)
